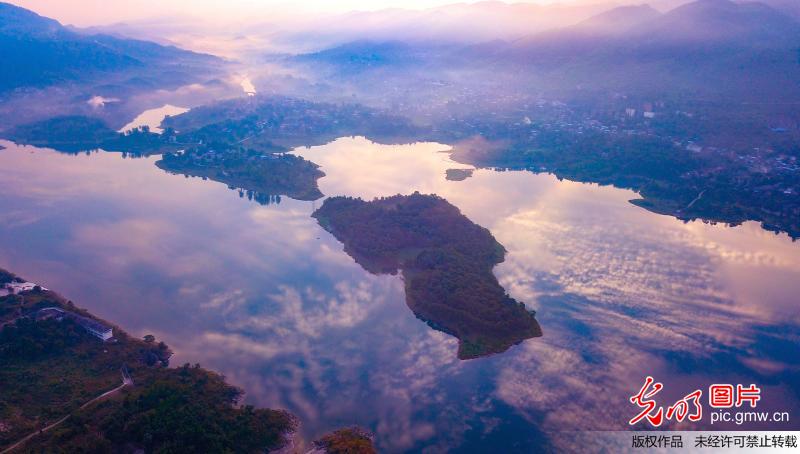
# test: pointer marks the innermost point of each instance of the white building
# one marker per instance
(98, 330)
(95, 328)
(17, 287)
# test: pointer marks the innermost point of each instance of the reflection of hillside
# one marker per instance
(75, 134)
(446, 261)
(568, 143)
(712, 187)
(262, 177)
(715, 184)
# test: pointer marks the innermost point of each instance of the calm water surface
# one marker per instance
(264, 295)
(152, 118)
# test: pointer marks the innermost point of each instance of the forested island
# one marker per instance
(351, 440)
(66, 388)
(446, 261)
(458, 174)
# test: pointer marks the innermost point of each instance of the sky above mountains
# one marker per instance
(99, 12)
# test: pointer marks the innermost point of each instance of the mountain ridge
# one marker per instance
(39, 51)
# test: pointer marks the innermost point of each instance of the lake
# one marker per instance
(270, 299)
(152, 118)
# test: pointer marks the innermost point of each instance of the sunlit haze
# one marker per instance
(362, 226)
(99, 12)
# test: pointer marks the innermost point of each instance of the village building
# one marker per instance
(94, 327)
(12, 288)
(693, 147)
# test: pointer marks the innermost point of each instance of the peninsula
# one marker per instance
(261, 175)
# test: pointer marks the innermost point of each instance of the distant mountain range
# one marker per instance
(38, 51)
(704, 24)
(455, 23)
(616, 21)
(465, 23)
(790, 7)
(697, 46)
(704, 46)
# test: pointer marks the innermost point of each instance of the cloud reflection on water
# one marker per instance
(271, 300)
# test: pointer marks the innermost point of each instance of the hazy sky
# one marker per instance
(95, 12)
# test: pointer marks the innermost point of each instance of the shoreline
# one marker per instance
(28, 427)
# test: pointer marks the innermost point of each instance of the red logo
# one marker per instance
(751, 394)
(642, 399)
(689, 407)
(726, 396)
(720, 396)
(681, 408)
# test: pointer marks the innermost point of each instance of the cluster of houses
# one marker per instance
(12, 288)
(631, 112)
(95, 328)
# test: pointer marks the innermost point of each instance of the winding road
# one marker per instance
(126, 381)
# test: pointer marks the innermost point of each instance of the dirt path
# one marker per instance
(126, 381)
(699, 196)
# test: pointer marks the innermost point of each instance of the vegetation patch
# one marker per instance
(446, 261)
(51, 368)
